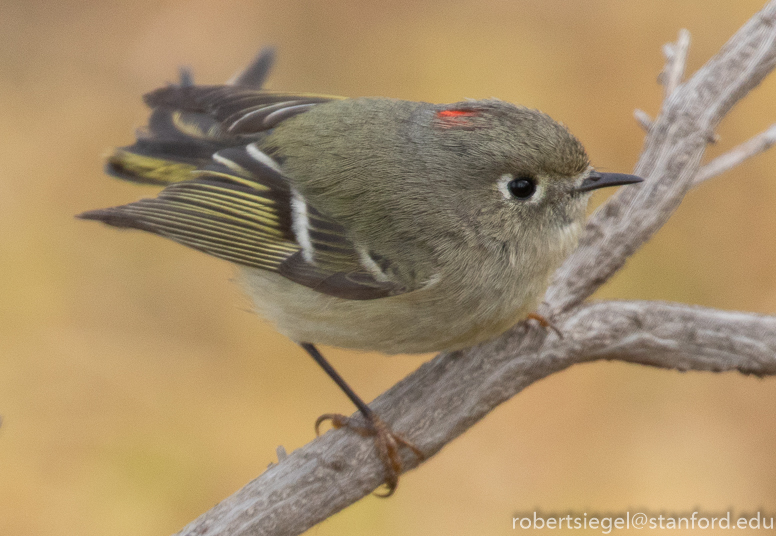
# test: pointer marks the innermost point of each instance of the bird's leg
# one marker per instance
(386, 441)
(543, 322)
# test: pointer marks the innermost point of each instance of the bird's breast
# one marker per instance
(462, 305)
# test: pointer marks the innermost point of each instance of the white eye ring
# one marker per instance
(503, 187)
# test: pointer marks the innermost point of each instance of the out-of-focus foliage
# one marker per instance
(136, 390)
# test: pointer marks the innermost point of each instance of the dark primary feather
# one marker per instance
(173, 145)
(228, 199)
(189, 124)
(256, 73)
(234, 107)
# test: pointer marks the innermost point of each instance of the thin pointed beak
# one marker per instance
(598, 180)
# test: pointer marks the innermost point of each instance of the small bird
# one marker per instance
(365, 223)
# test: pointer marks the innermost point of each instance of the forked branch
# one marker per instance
(450, 393)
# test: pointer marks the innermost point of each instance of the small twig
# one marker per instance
(643, 118)
(754, 146)
(669, 161)
(676, 61)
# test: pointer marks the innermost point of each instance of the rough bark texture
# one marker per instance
(447, 395)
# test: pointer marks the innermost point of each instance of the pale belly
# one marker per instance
(416, 322)
(474, 299)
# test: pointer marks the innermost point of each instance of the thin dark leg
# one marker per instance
(386, 441)
(334, 375)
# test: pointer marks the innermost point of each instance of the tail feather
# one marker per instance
(190, 123)
(130, 164)
(173, 145)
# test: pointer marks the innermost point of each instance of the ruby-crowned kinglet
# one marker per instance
(370, 223)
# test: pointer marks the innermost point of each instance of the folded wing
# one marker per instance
(228, 198)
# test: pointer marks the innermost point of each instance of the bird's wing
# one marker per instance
(189, 124)
(226, 197)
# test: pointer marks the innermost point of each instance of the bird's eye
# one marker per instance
(522, 187)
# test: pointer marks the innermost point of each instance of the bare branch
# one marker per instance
(675, 336)
(643, 118)
(281, 453)
(754, 146)
(676, 61)
(447, 395)
(669, 162)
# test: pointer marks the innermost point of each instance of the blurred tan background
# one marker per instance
(137, 391)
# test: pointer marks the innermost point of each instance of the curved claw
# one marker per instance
(386, 441)
(543, 322)
(337, 421)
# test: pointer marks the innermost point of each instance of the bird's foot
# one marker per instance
(386, 441)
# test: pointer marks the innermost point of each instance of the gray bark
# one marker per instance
(450, 393)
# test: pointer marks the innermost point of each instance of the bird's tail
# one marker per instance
(178, 141)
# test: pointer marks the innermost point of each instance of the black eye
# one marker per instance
(522, 187)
